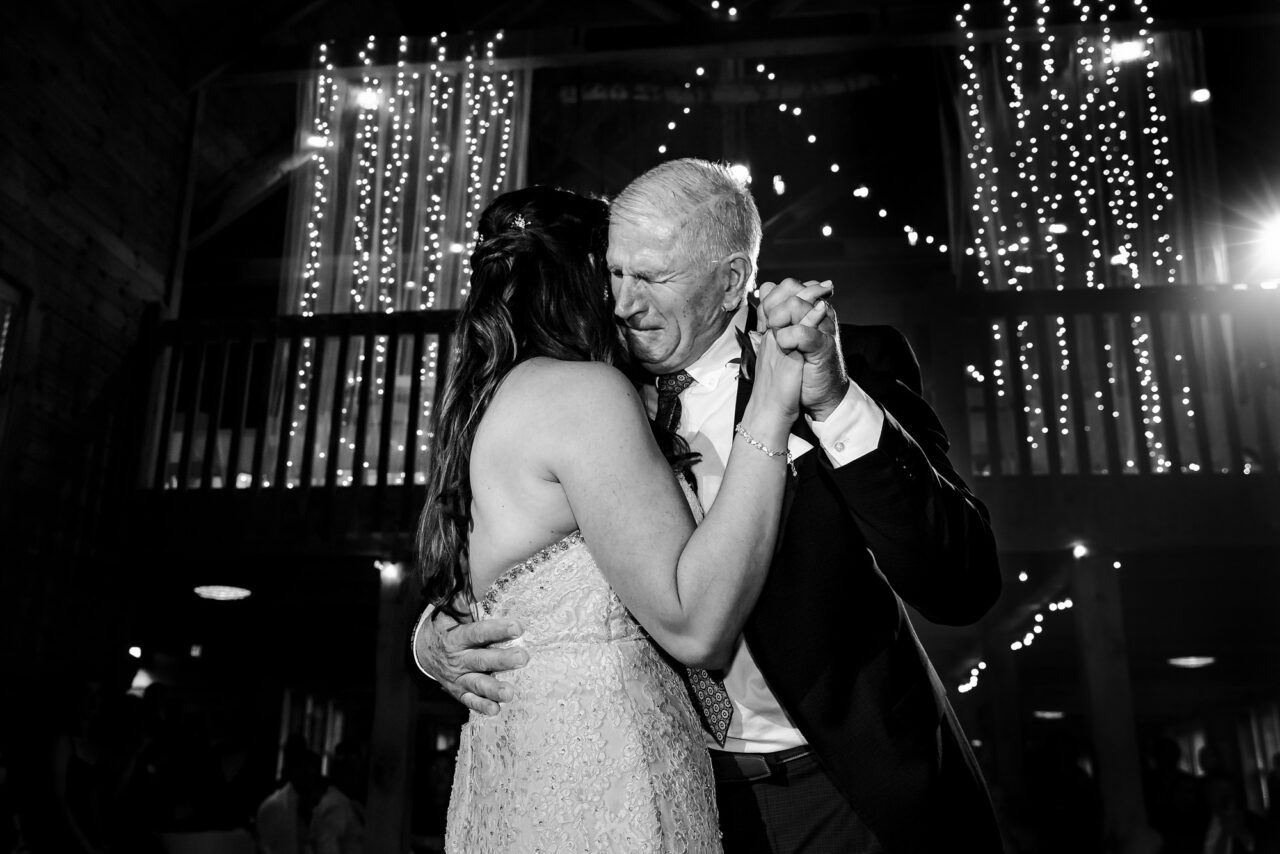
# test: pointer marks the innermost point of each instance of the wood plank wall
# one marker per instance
(93, 153)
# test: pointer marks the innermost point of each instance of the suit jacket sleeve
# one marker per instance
(929, 534)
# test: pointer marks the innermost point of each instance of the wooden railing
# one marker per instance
(295, 402)
(1176, 380)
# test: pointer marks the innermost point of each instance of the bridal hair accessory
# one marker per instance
(741, 431)
(519, 221)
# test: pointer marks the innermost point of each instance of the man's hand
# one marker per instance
(789, 308)
(459, 656)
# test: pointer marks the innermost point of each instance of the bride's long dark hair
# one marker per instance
(539, 287)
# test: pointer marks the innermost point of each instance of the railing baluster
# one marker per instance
(313, 409)
(168, 405)
(215, 418)
(1222, 362)
(412, 420)
(335, 412)
(388, 407)
(286, 411)
(995, 451)
(189, 423)
(237, 431)
(260, 434)
(1048, 396)
(1110, 433)
(362, 418)
(1161, 346)
(1021, 427)
(1075, 386)
(1195, 382)
(1253, 336)
(1127, 362)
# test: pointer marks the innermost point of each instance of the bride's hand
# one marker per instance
(778, 374)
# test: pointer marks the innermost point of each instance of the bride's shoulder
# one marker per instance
(571, 384)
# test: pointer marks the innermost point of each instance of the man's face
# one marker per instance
(671, 308)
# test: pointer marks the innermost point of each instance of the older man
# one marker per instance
(830, 730)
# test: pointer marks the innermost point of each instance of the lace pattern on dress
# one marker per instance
(601, 750)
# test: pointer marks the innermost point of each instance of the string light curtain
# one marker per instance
(407, 145)
(1085, 154)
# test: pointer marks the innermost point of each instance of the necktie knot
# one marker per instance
(673, 384)
(669, 388)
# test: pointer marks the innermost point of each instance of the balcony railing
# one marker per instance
(325, 401)
(1176, 381)
(1172, 380)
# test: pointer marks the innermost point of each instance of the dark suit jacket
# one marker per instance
(830, 633)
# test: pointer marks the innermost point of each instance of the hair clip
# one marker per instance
(519, 222)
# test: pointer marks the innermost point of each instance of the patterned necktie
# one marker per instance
(669, 388)
(711, 700)
(706, 691)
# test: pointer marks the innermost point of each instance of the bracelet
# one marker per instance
(751, 440)
(427, 613)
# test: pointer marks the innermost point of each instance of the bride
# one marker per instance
(552, 499)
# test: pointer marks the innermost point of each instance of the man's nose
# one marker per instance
(625, 302)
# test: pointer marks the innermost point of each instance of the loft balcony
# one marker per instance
(1143, 418)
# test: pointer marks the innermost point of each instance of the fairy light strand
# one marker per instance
(412, 219)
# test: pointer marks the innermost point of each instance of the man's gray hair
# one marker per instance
(710, 208)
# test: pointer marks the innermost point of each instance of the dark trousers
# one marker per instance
(795, 809)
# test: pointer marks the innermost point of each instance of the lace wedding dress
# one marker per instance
(601, 749)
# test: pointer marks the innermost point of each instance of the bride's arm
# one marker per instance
(691, 588)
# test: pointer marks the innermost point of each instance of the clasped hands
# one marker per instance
(803, 320)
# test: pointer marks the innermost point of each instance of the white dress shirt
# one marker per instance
(758, 725)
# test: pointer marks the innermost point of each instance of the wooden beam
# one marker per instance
(513, 11)
(656, 9)
(1104, 661)
(391, 752)
(565, 47)
(258, 182)
(743, 92)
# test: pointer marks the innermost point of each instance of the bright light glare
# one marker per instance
(741, 172)
(1269, 247)
(1192, 661)
(779, 185)
(368, 99)
(1200, 96)
(1127, 51)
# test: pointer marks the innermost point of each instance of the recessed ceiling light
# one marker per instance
(1192, 661)
(221, 592)
(1048, 714)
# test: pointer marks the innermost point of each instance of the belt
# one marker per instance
(732, 767)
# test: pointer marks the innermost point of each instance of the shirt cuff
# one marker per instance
(426, 615)
(852, 430)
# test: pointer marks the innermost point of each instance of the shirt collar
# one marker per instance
(709, 368)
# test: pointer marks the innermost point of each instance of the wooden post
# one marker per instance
(387, 813)
(1004, 722)
(1104, 664)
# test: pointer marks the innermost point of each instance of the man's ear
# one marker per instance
(739, 271)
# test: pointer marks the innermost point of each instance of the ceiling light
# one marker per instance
(1048, 714)
(1192, 661)
(221, 592)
